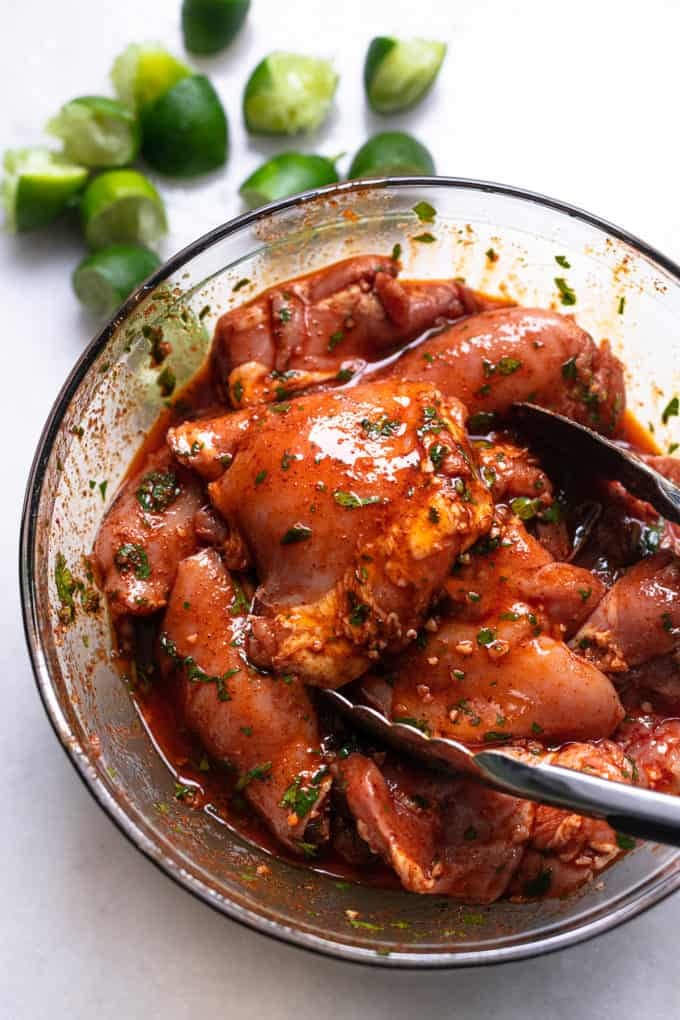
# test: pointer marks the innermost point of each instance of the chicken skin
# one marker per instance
(495, 668)
(453, 837)
(353, 504)
(499, 357)
(638, 619)
(264, 726)
(298, 334)
(147, 531)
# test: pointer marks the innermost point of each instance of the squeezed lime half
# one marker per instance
(38, 186)
(122, 206)
(288, 93)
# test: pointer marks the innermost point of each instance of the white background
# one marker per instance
(575, 99)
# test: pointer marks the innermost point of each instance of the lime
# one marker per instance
(287, 174)
(392, 153)
(38, 185)
(209, 25)
(185, 131)
(398, 73)
(122, 206)
(102, 281)
(287, 93)
(143, 72)
(96, 131)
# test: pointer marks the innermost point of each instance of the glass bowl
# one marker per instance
(500, 240)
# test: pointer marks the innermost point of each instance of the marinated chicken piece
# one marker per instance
(148, 529)
(353, 504)
(300, 333)
(567, 850)
(206, 444)
(496, 358)
(495, 668)
(638, 619)
(441, 836)
(448, 836)
(652, 747)
(657, 680)
(513, 472)
(265, 726)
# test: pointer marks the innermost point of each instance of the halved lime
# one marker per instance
(287, 93)
(37, 187)
(185, 131)
(102, 281)
(145, 71)
(97, 131)
(398, 72)
(122, 206)
(209, 25)
(392, 153)
(287, 174)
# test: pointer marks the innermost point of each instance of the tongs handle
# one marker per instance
(628, 809)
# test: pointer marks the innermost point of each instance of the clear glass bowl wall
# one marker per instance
(113, 397)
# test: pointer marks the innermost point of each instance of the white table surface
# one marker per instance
(578, 100)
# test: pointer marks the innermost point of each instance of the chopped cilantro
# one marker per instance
(438, 453)
(166, 381)
(486, 636)
(351, 501)
(567, 295)
(300, 799)
(525, 508)
(671, 410)
(425, 212)
(298, 533)
(260, 476)
(157, 491)
(381, 428)
(507, 365)
(335, 339)
(425, 238)
(481, 423)
(132, 556)
(561, 260)
(256, 772)
(396, 253)
(625, 842)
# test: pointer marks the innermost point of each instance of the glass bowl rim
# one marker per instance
(661, 886)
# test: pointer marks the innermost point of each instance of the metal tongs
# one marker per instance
(628, 809)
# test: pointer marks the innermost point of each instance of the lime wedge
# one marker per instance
(392, 153)
(287, 93)
(103, 280)
(287, 174)
(185, 131)
(210, 25)
(143, 72)
(37, 187)
(96, 131)
(398, 73)
(122, 206)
